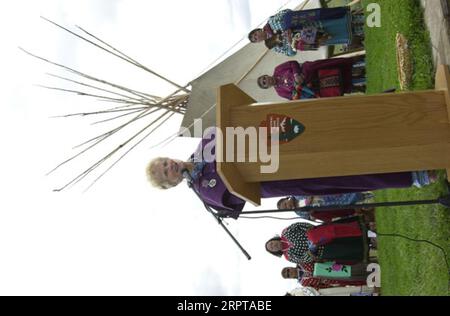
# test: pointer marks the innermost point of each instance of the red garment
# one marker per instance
(325, 234)
(330, 82)
(326, 283)
(328, 216)
(310, 70)
(285, 245)
(267, 29)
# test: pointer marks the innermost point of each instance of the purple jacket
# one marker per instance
(215, 194)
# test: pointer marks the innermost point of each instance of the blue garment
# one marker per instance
(339, 29)
(307, 93)
(296, 20)
(420, 178)
(285, 48)
(276, 22)
(324, 18)
(303, 215)
(358, 81)
(198, 168)
(337, 199)
(361, 63)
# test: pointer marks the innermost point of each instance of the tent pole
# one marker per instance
(251, 68)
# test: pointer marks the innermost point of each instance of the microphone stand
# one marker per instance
(219, 218)
(443, 201)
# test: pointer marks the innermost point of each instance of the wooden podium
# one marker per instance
(351, 135)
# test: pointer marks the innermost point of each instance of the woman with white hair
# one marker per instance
(165, 173)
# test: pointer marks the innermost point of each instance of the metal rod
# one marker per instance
(219, 218)
(234, 239)
(443, 201)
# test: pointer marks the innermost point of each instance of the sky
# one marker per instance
(121, 237)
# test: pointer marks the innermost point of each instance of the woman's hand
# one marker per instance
(299, 78)
(313, 257)
(288, 34)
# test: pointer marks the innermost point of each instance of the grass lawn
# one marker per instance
(404, 16)
(407, 268)
(411, 268)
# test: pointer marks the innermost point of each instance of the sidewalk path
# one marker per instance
(438, 22)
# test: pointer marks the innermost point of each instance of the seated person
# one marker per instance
(338, 25)
(303, 272)
(322, 78)
(293, 202)
(303, 243)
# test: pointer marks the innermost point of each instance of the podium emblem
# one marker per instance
(289, 128)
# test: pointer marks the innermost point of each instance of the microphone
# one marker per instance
(186, 174)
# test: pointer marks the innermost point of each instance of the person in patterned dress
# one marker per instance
(336, 199)
(293, 244)
(294, 81)
(290, 203)
(341, 241)
(337, 25)
(294, 202)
